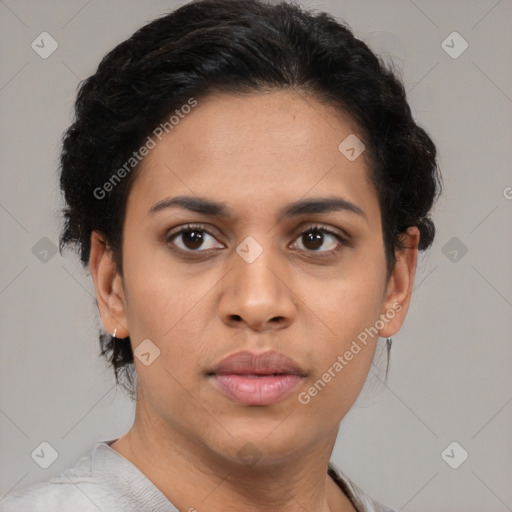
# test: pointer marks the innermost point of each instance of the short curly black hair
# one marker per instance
(235, 47)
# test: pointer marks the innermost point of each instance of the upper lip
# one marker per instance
(265, 363)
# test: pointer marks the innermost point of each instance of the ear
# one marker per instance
(400, 285)
(109, 290)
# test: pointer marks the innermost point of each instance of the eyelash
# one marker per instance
(199, 227)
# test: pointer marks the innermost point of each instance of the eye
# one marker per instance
(192, 237)
(314, 238)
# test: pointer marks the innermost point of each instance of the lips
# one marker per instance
(256, 379)
(265, 363)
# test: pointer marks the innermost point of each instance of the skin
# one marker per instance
(256, 153)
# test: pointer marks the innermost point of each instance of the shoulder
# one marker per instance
(54, 496)
(73, 489)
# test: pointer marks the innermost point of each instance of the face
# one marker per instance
(309, 285)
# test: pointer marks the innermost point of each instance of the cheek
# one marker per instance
(166, 310)
(333, 391)
(157, 297)
(169, 310)
(342, 318)
(344, 307)
(342, 359)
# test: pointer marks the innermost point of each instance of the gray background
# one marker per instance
(450, 368)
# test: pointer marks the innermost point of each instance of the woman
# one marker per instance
(249, 190)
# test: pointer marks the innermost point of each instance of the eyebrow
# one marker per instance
(220, 209)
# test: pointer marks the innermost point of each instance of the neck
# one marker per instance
(195, 478)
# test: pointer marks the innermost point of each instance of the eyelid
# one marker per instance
(309, 226)
(189, 227)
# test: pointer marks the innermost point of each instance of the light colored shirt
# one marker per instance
(104, 481)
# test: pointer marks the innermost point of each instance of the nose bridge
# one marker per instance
(256, 291)
(256, 268)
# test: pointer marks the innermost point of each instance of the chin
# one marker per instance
(266, 444)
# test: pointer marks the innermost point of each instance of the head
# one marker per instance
(257, 113)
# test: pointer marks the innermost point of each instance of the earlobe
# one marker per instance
(109, 290)
(400, 284)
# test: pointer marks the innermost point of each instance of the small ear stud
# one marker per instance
(114, 335)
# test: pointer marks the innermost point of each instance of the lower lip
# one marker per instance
(256, 390)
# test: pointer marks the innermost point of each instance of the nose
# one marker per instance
(258, 295)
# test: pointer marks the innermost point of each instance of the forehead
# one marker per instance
(253, 151)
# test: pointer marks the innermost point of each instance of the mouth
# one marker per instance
(255, 375)
(256, 379)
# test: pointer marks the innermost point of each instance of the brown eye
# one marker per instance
(314, 238)
(192, 239)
